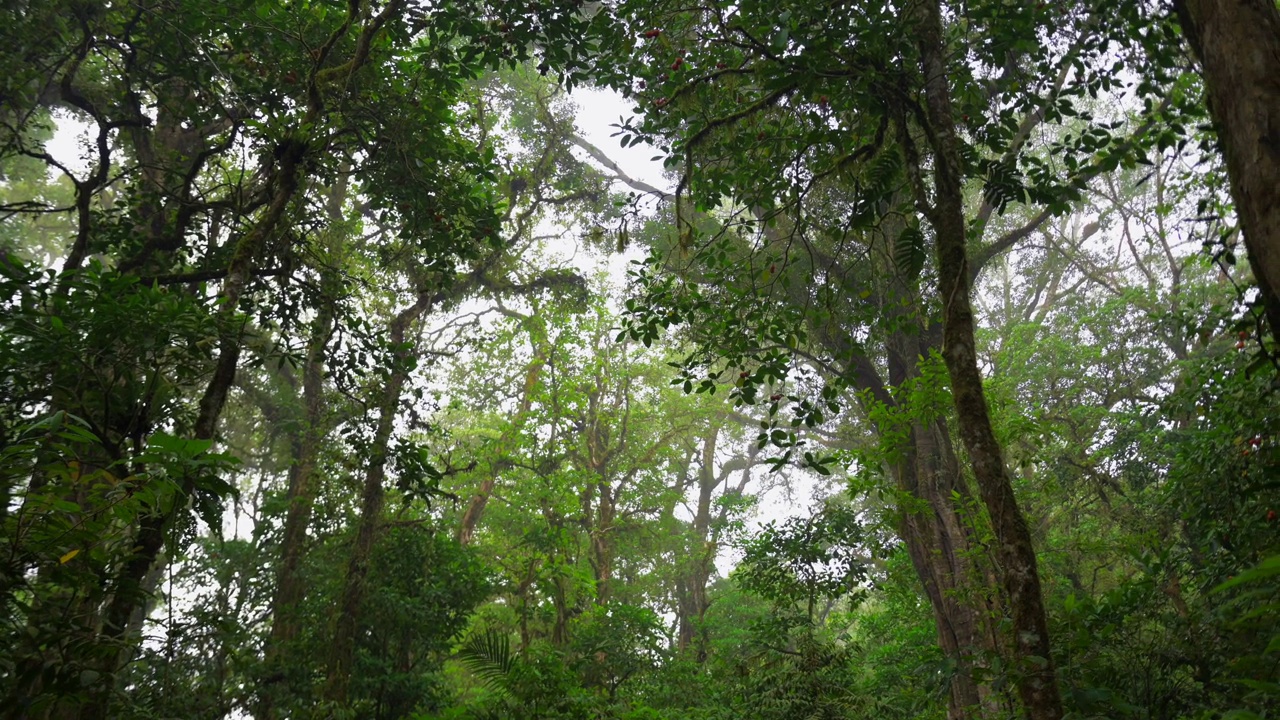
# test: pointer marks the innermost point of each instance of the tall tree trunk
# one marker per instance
(130, 590)
(939, 543)
(938, 538)
(350, 609)
(602, 539)
(290, 589)
(1238, 45)
(1036, 677)
(300, 495)
(692, 605)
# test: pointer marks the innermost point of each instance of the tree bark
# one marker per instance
(693, 601)
(350, 609)
(1016, 559)
(1238, 45)
(129, 592)
(290, 589)
(285, 623)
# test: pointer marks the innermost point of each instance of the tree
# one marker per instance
(1237, 44)
(214, 143)
(848, 109)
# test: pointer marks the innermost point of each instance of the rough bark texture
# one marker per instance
(939, 544)
(1238, 45)
(1016, 560)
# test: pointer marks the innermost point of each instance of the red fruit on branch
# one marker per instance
(660, 102)
(775, 397)
(652, 33)
(1271, 516)
(676, 65)
(1244, 335)
(721, 66)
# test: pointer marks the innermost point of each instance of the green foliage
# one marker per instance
(488, 656)
(291, 363)
(804, 560)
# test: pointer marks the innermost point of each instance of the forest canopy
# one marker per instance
(346, 373)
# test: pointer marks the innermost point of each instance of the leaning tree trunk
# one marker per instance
(350, 609)
(300, 496)
(541, 349)
(1238, 44)
(1016, 559)
(305, 449)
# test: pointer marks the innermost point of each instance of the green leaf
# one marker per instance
(909, 253)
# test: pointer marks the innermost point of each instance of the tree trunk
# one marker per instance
(541, 353)
(1016, 559)
(129, 592)
(602, 540)
(285, 622)
(1238, 45)
(693, 602)
(350, 609)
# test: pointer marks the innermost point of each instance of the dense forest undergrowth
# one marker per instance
(343, 376)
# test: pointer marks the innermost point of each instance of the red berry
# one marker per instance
(1240, 345)
(721, 66)
(744, 374)
(823, 101)
(775, 397)
(1244, 335)
(660, 102)
(676, 65)
(1271, 516)
(652, 33)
